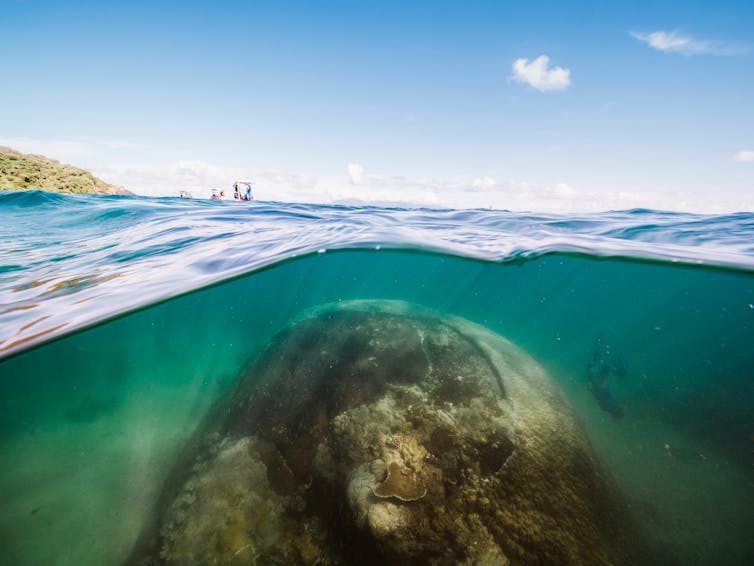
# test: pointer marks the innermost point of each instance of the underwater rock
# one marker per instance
(377, 432)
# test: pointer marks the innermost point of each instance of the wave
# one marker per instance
(69, 261)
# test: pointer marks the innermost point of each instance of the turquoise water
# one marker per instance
(124, 319)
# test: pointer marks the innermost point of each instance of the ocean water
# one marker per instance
(125, 320)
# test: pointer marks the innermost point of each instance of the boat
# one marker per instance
(239, 193)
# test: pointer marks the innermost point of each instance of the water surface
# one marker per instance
(122, 320)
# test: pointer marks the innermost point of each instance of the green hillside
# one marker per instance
(22, 172)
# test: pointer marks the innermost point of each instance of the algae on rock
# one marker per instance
(377, 432)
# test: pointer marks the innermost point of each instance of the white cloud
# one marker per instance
(200, 177)
(540, 75)
(355, 184)
(81, 153)
(744, 155)
(675, 42)
(196, 177)
(124, 144)
(564, 191)
(355, 173)
(55, 149)
(483, 183)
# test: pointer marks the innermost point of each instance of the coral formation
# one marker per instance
(401, 483)
(379, 433)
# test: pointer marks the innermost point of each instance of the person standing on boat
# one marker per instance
(236, 193)
(248, 193)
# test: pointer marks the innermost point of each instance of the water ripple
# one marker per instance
(70, 261)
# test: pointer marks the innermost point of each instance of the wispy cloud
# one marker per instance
(69, 150)
(540, 75)
(744, 155)
(57, 149)
(677, 42)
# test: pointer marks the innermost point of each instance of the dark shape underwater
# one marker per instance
(378, 433)
(603, 365)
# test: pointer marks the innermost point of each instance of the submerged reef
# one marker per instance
(376, 432)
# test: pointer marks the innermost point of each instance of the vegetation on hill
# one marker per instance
(22, 172)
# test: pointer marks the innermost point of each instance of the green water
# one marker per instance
(90, 424)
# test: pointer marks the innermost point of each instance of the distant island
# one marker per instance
(22, 172)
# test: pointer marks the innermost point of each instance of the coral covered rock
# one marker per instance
(375, 432)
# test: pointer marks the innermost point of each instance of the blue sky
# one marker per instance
(416, 102)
